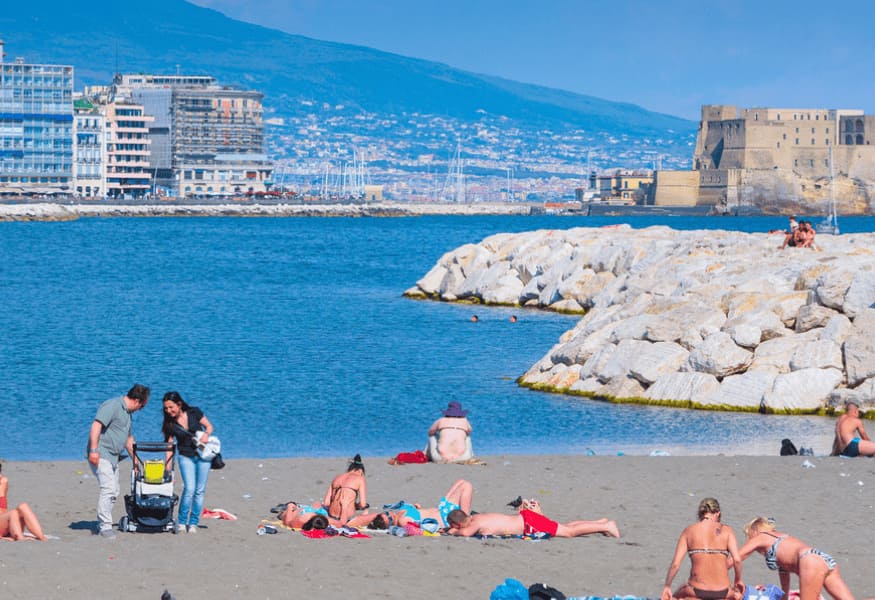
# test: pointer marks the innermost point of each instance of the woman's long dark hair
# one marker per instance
(168, 427)
(316, 522)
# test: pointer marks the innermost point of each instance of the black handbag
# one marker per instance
(218, 462)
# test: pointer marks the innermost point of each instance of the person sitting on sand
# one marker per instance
(527, 522)
(449, 438)
(786, 554)
(16, 523)
(347, 492)
(850, 435)
(459, 497)
(712, 549)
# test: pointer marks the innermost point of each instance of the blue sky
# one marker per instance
(668, 56)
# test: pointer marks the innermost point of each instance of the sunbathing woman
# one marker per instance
(304, 516)
(786, 554)
(402, 513)
(712, 547)
(450, 436)
(347, 493)
(14, 523)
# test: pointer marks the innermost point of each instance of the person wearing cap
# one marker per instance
(851, 438)
(449, 438)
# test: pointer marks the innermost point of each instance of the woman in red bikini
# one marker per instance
(14, 523)
(708, 543)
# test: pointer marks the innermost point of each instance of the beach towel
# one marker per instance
(409, 458)
(331, 532)
(218, 513)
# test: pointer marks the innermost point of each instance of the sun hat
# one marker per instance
(454, 409)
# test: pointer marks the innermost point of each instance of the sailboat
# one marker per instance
(830, 224)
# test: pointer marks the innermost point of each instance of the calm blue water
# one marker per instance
(293, 336)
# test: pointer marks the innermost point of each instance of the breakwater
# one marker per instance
(702, 319)
(66, 212)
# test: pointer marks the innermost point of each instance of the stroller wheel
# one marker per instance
(123, 524)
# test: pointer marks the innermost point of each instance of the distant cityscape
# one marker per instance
(182, 136)
(187, 137)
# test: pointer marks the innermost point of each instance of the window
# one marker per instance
(812, 141)
(795, 163)
(779, 144)
(797, 130)
(785, 136)
(797, 141)
(812, 130)
(849, 140)
(811, 163)
(859, 140)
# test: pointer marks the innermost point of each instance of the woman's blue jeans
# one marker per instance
(194, 473)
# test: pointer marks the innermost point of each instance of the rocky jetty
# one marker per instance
(702, 319)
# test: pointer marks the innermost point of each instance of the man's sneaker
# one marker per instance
(108, 534)
(192, 528)
(181, 528)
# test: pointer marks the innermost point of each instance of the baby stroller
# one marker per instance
(151, 501)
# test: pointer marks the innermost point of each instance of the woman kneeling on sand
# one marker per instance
(14, 523)
(709, 543)
(786, 554)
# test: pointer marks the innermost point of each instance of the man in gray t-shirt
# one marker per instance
(110, 434)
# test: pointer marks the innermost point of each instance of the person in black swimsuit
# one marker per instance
(347, 493)
(708, 543)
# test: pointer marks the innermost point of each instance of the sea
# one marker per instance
(294, 338)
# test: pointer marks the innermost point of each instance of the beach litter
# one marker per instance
(808, 464)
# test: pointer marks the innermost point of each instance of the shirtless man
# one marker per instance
(851, 438)
(449, 436)
(527, 522)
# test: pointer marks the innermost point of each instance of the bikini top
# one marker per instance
(772, 552)
(707, 551)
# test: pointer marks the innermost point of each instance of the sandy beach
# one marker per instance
(829, 505)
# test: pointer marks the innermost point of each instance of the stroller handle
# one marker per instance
(154, 446)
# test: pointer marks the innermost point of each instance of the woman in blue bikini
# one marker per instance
(786, 554)
(712, 549)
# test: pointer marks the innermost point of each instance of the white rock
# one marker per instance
(744, 390)
(718, 355)
(655, 359)
(803, 390)
(818, 354)
(813, 315)
(860, 294)
(859, 348)
(692, 387)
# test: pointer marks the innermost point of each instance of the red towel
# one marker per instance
(409, 458)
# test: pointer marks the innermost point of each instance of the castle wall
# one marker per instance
(675, 188)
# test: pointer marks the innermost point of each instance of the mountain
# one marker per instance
(327, 88)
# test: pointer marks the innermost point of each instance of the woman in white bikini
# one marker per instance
(708, 543)
(786, 554)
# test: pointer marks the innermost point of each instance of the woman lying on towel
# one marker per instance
(16, 522)
(403, 513)
(304, 516)
(712, 547)
(786, 554)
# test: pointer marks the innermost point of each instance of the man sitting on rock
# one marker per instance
(851, 438)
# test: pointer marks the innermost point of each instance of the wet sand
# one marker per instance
(651, 498)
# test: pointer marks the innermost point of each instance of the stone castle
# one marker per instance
(776, 160)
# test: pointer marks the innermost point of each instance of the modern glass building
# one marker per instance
(36, 128)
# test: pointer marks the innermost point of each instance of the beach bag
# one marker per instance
(788, 448)
(218, 462)
(511, 589)
(542, 591)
